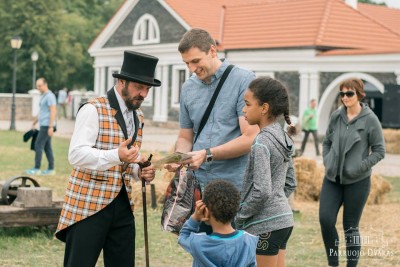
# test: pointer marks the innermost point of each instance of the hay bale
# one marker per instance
(379, 187)
(309, 179)
(310, 176)
(161, 183)
(391, 135)
(392, 148)
(392, 141)
(167, 176)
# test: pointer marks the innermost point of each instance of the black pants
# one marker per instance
(111, 229)
(315, 136)
(353, 198)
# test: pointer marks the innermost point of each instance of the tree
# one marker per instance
(372, 2)
(60, 31)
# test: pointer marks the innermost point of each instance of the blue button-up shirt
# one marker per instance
(223, 123)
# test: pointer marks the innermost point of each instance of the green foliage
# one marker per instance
(372, 2)
(60, 31)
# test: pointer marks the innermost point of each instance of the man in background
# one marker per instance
(62, 103)
(309, 125)
(46, 119)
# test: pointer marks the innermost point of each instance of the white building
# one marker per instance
(310, 45)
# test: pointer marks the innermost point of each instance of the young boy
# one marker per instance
(225, 246)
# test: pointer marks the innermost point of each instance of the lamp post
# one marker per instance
(34, 57)
(16, 43)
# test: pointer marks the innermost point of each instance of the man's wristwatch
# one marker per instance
(209, 155)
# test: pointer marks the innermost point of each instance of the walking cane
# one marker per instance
(146, 241)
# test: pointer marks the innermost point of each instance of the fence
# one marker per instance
(27, 105)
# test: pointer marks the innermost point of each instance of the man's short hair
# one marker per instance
(222, 199)
(196, 38)
(43, 80)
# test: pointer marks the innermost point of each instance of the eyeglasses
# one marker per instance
(348, 94)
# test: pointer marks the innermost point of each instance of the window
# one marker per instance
(179, 75)
(146, 31)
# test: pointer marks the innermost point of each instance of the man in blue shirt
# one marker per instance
(62, 103)
(221, 149)
(46, 118)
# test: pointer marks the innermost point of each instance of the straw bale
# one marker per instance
(392, 147)
(391, 135)
(161, 182)
(309, 179)
(392, 141)
(161, 185)
(379, 187)
(310, 176)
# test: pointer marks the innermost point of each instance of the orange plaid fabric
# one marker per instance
(89, 191)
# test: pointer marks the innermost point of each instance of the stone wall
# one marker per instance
(23, 106)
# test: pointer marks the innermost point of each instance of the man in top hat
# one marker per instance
(104, 150)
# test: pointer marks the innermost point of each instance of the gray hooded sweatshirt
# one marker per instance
(268, 181)
(351, 148)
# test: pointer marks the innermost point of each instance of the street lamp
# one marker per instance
(16, 43)
(34, 57)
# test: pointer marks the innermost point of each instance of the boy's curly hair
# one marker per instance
(222, 199)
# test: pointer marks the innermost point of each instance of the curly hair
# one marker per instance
(222, 199)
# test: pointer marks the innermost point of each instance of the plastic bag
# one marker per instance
(180, 199)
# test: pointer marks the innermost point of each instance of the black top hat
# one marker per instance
(138, 67)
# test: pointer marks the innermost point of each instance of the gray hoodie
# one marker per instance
(351, 148)
(268, 181)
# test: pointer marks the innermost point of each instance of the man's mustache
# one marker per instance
(138, 98)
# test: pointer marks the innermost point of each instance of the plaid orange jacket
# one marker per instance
(89, 191)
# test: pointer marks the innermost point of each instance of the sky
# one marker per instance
(390, 3)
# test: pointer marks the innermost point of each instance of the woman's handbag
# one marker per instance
(180, 200)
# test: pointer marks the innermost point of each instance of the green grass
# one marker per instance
(36, 246)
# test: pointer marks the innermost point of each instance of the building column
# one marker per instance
(97, 80)
(397, 73)
(75, 102)
(35, 101)
(304, 92)
(102, 81)
(165, 91)
(161, 95)
(314, 86)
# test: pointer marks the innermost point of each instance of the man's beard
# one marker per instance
(129, 100)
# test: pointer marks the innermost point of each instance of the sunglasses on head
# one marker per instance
(348, 94)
